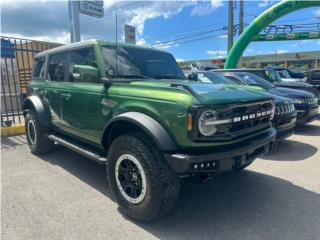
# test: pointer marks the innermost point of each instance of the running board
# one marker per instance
(85, 152)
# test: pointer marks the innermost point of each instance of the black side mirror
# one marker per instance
(193, 77)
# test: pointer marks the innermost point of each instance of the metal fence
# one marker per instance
(16, 67)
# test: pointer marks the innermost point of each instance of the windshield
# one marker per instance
(134, 62)
(211, 77)
(284, 73)
(272, 75)
(252, 79)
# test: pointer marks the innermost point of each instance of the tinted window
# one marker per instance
(84, 57)
(38, 67)
(272, 75)
(141, 63)
(235, 80)
(211, 77)
(283, 74)
(255, 80)
(57, 67)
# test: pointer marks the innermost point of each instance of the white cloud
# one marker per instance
(180, 60)
(217, 53)
(51, 19)
(202, 9)
(317, 13)
(281, 51)
(223, 36)
(141, 42)
(137, 15)
(264, 3)
(61, 37)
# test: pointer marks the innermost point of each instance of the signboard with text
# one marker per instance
(129, 34)
(92, 8)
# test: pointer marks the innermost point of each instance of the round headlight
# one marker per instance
(206, 123)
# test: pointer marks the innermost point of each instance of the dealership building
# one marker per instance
(298, 60)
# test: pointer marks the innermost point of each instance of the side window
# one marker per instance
(83, 66)
(57, 67)
(38, 67)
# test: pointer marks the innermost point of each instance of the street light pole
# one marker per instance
(74, 21)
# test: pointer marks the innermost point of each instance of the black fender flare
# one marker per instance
(149, 125)
(34, 102)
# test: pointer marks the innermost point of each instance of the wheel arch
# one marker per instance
(34, 103)
(136, 121)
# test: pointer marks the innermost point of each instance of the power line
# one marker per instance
(186, 37)
(188, 41)
(185, 31)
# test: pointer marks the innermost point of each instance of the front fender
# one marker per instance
(149, 125)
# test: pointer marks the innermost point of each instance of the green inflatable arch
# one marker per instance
(276, 11)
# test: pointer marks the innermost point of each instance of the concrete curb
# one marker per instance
(12, 131)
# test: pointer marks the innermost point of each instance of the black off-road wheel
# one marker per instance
(36, 134)
(140, 178)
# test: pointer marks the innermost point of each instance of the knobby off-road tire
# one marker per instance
(36, 134)
(157, 187)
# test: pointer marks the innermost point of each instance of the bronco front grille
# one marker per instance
(245, 119)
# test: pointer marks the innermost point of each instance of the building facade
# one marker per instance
(303, 61)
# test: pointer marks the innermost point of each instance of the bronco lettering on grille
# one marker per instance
(251, 116)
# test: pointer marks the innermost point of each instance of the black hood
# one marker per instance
(290, 93)
(296, 85)
(280, 100)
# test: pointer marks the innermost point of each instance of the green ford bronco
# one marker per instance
(130, 108)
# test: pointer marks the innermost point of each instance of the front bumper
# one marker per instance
(284, 125)
(222, 160)
(306, 113)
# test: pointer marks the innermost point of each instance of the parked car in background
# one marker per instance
(287, 75)
(271, 76)
(313, 77)
(285, 116)
(305, 103)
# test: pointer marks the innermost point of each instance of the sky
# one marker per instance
(157, 24)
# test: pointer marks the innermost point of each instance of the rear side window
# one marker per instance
(38, 67)
(57, 67)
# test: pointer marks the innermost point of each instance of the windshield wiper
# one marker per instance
(133, 76)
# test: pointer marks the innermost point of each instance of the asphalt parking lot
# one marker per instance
(63, 195)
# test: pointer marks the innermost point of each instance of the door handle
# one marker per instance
(66, 96)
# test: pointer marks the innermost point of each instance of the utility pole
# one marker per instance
(240, 24)
(230, 25)
(74, 21)
(240, 17)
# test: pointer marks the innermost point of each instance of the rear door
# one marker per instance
(82, 95)
(56, 76)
